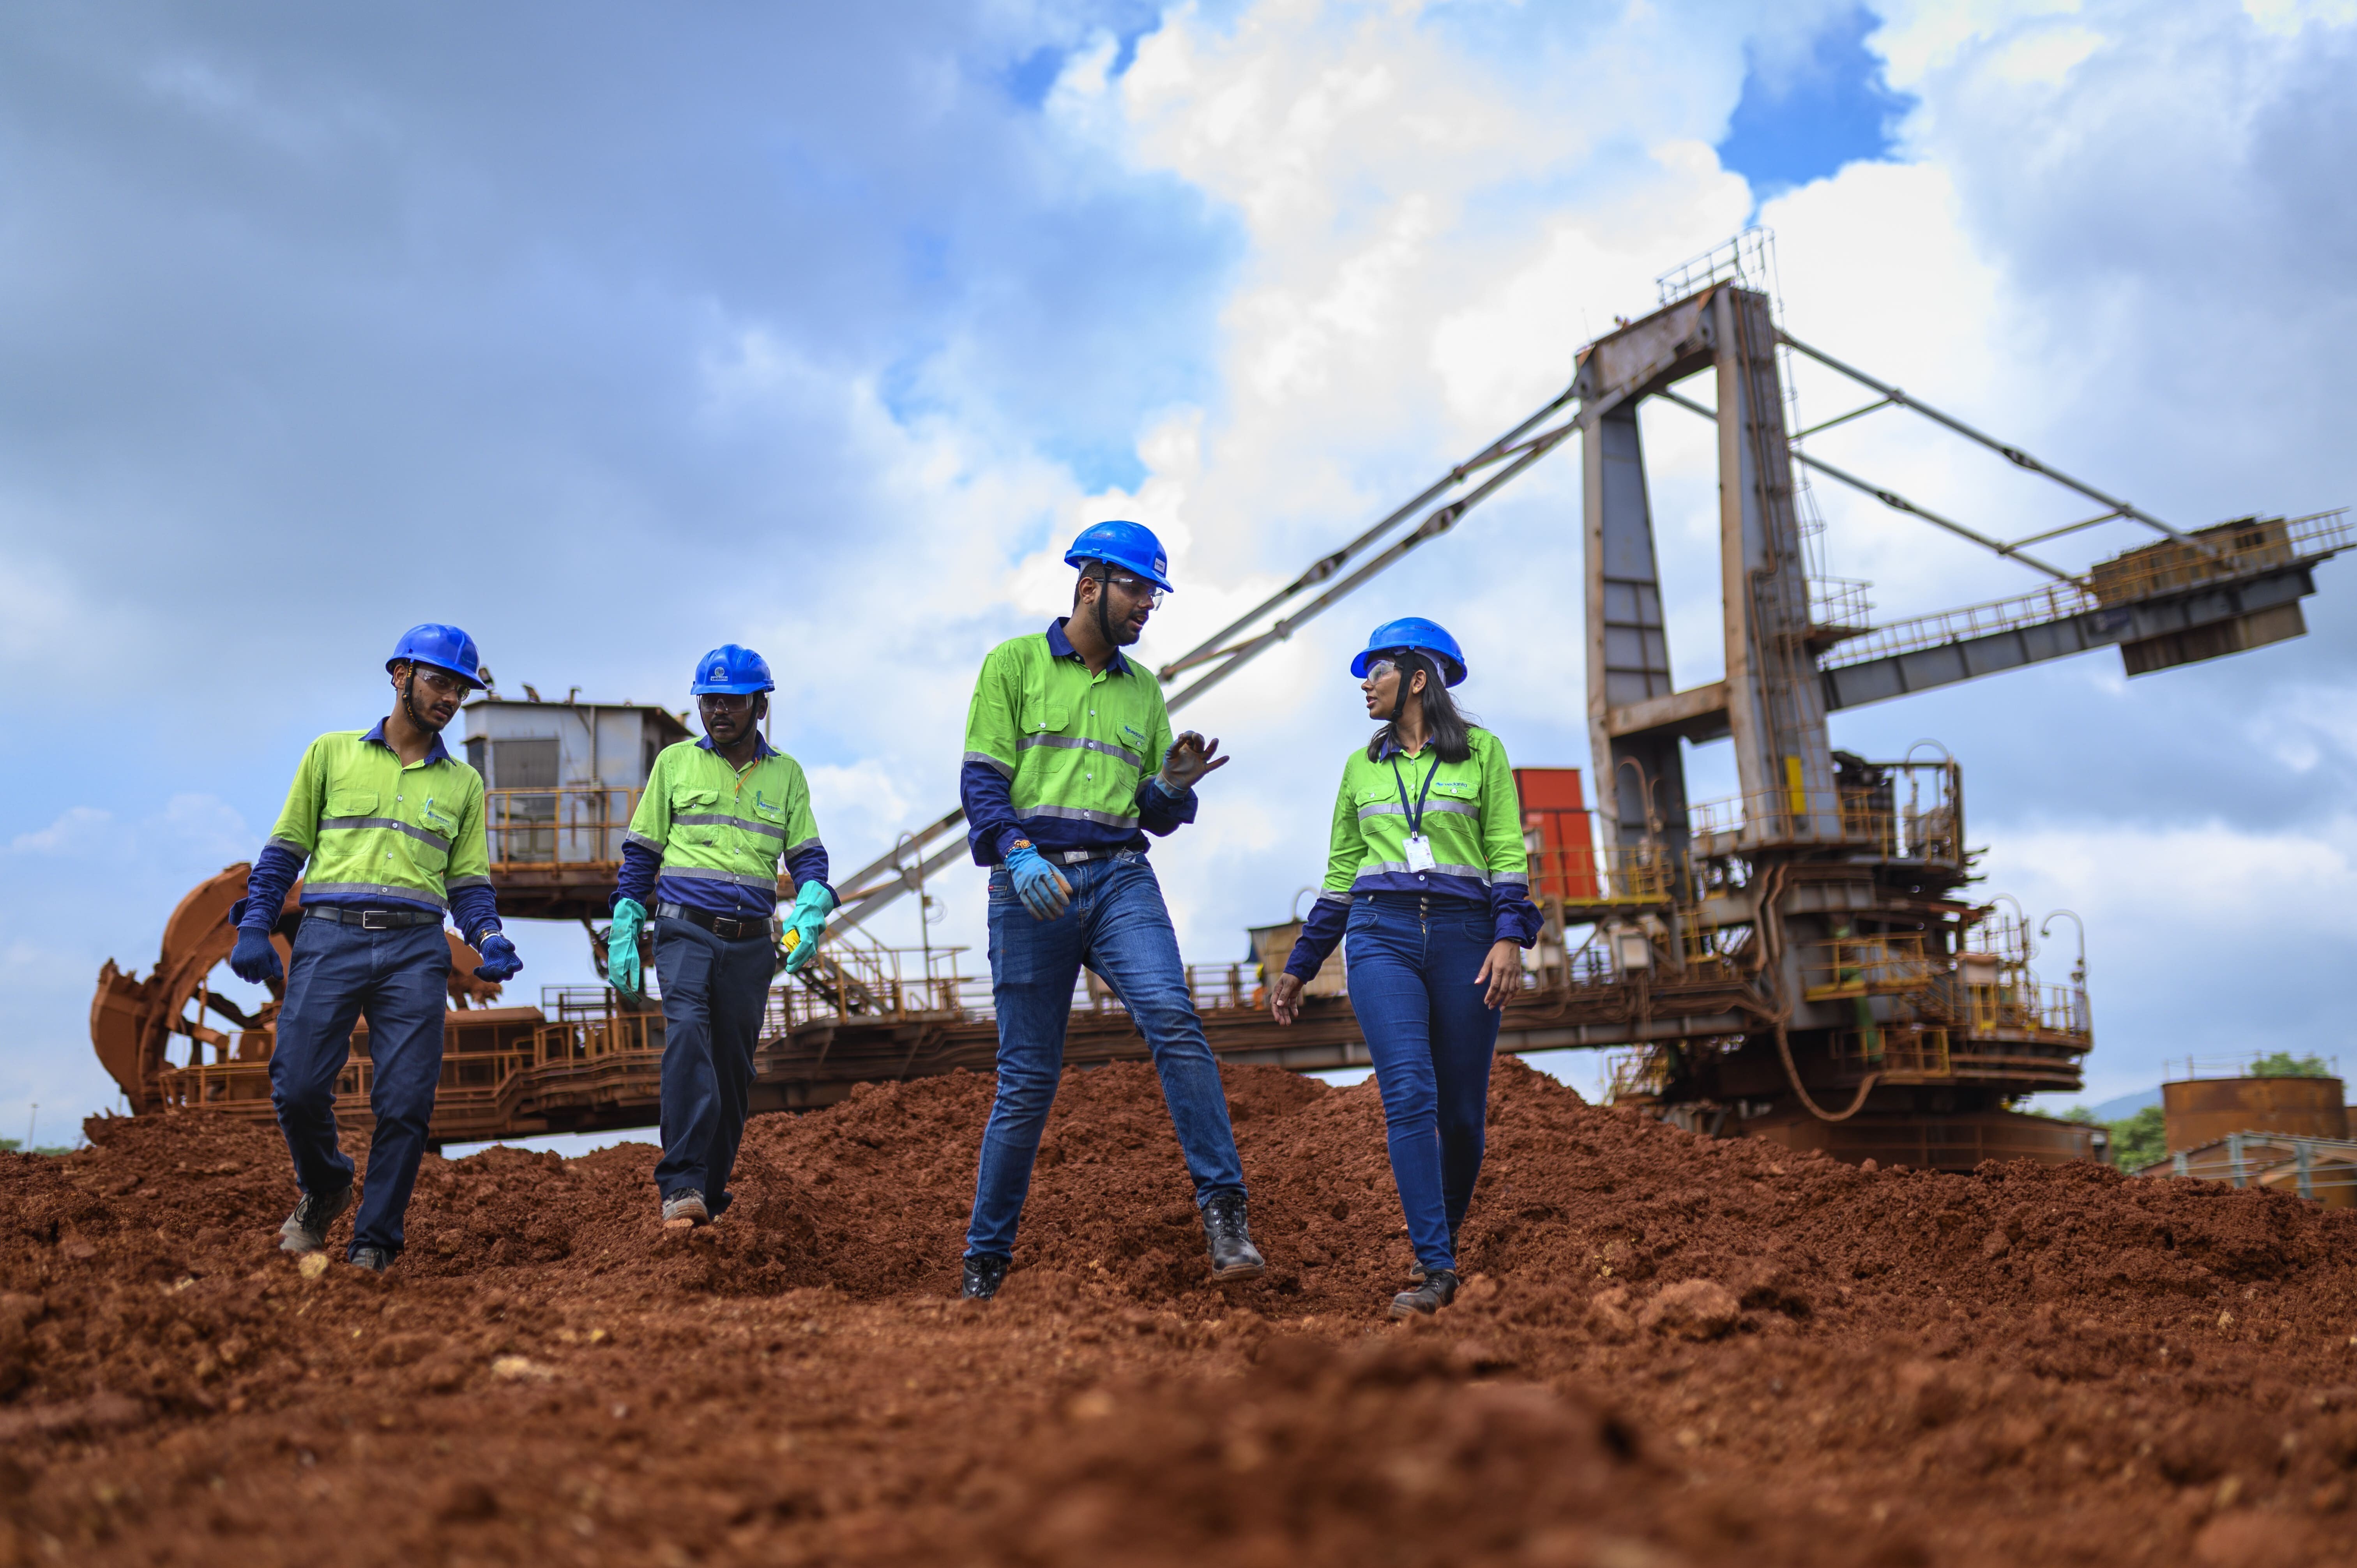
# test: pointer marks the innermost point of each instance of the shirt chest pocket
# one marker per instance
(347, 800)
(1462, 796)
(691, 811)
(437, 825)
(1044, 715)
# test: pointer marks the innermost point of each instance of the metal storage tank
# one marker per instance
(2200, 1111)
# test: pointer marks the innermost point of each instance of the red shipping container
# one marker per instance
(1556, 828)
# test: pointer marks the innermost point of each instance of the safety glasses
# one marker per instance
(725, 702)
(1135, 588)
(441, 682)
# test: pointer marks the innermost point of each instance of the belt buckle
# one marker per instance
(376, 920)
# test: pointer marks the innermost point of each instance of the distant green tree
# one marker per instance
(2139, 1140)
(2283, 1064)
(15, 1145)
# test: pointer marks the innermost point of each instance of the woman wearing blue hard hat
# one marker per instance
(1429, 876)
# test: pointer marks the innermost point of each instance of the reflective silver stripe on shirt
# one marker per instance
(1075, 743)
(1343, 898)
(1377, 868)
(722, 819)
(643, 842)
(1074, 814)
(810, 842)
(1394, 809)
(698, 874)
(291, 847)
(466, 881)
(373, 889)
(422, 835)
(1005, 770)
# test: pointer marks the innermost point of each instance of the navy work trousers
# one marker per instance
(714, 990)
(398, 981)
(1412, 962)
(1116, 924)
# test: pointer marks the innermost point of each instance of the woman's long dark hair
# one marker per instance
(1446, 726)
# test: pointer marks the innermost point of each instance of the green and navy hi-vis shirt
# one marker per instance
(1471, 815)
(1062, 755)
(378, 834)
(710, 835)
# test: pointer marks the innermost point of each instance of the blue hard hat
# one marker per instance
(732, 668)
(1131, 545)
(444, 647)
(1425, 636)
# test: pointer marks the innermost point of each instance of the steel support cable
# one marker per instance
(1326, 566)
(2013, 455)
(1437, 523)
(1890, 498)
(1898, 502)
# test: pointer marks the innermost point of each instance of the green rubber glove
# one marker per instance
(622, 947)
(805, 924)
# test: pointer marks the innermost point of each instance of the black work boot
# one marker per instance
(305, 1230)
(375, 1259)
(684, 1208)
(1438, 1289)
(1233, 1256)
(984, 1275)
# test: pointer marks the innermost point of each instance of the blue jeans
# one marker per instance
(1117, 926)
(713, 993)
(1412, 961)
(400, 980)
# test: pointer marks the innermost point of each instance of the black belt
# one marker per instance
(371, 919)
(719, 925)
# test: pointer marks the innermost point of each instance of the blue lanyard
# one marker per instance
(1416, 813)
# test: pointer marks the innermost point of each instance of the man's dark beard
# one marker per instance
(409, 706)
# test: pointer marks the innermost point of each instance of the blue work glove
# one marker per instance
(1041, 885)
(805, 924)
(622, 947)
(254, 959)
(500, 960)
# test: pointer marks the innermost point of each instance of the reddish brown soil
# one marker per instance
(1670, 1351)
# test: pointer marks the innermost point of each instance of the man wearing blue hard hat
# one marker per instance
(392, 825)
(717, 817)
(1070, 763)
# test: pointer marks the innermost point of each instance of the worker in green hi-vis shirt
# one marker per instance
(392, 825)
(704, 847)
(1069, 764)
(1428, 873)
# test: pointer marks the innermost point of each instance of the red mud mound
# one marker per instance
(1669, 1351)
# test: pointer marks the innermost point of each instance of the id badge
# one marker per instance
(1419, 852)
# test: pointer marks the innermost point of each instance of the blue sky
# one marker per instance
(613, 335)
(1805, 110)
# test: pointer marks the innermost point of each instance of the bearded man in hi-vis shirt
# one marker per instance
(1070, 763)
